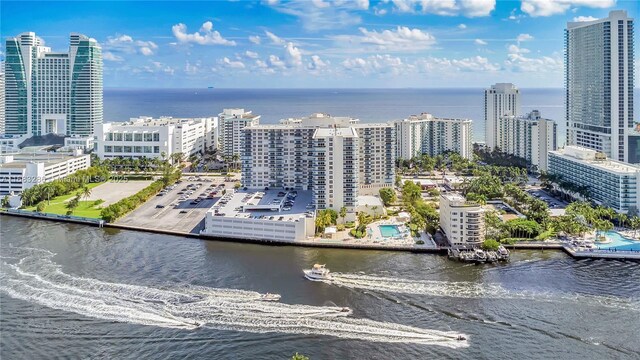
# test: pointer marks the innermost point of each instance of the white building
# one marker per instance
(427, 134)
(48, 92)
(502, 99)
(149, 137)
(599, 76)
(2, 102)
(336, 157)
(261, 215)
(22, 171)
(461, 221)
(232, 121)
(530, 137)
(83, 143)
(611, 183)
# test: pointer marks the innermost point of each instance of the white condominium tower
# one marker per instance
(48, 92)
(336, 157)
(530, 137)
(2, 104)
(232, 121)
(427, 134)
(502, 99)
(599, 77)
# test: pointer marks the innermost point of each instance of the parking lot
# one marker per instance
(182, 208)
(556, 206)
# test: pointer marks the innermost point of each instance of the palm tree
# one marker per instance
(343, 212)
(86, 192)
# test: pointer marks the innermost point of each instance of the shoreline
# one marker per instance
(331, 245)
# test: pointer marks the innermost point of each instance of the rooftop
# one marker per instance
(264, 204)
(18, 160)
(595, 159)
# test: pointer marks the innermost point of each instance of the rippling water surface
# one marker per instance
(77, 292)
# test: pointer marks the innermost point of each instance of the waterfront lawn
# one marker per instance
(58, 204)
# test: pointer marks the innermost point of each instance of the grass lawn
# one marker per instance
(84, 209)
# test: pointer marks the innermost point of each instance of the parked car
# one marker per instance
(159, 206)
(183, 211)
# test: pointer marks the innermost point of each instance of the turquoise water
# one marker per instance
(389, 230)
(619, 242)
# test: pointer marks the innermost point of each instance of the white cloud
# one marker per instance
(462, 26)
(584, 18)
(292, 55)
(274, 61)
(255, 39)
(479, 42)
(515, 49)
(109, 56)
(468, 8)
(233, 64)
(251, 54)
(524, 37)
(401, 38)
(316, 64)
(274, 38)
(448, 66)
(552, 7)
(128, 45)
(518, 62)
(323, 14)
(191, 69)
(206, 35)
(376, 64)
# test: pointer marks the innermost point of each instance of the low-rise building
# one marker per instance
(461, 221)
(610, 183)
(84, 143)
(427, 134)
(262, 215)
(530, 137)
(21, 171)
(154, 138)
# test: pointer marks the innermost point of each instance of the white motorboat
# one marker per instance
(269, 297)
(317, 273)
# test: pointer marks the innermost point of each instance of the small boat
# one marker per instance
(480, 256)
(317, 273)
(461, 338)
(269, 297)
(345, 309)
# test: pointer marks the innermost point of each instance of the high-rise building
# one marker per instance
(336, 157)
(502, 99)
(599, 78)
(2, 104)
(232, 121)
(427, 134)
(48, 92)
(530, 137)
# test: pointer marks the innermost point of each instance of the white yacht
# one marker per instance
(317, 273)
(269, 297)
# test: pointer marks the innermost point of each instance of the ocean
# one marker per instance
(369, 105)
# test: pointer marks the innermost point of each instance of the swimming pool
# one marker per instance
(389, 230)
(618, 242)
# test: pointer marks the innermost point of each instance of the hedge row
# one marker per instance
(128, 204)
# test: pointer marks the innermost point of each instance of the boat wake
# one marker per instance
(30, 274)
(463, 289)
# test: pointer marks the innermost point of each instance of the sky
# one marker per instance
(316, 43)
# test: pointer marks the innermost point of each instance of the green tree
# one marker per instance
(343, 212)
(86, 192)
(73, 204)
(41, 206)
(5, 201)
(299, 357)
(388, 196)
(411, 192)
(490, 245)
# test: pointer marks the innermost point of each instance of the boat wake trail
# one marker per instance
(463, 289)
(30, 274)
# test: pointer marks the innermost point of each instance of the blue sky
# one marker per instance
(316, 43)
